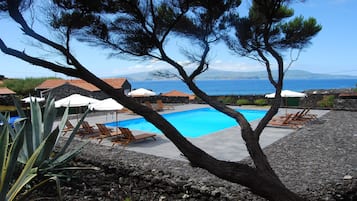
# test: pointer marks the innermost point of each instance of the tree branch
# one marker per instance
(292, 60)
(202, 65)
(17, 17)
(36, 61)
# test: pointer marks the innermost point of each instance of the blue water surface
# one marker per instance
(244, 87)
(192, 123)
(11, 120)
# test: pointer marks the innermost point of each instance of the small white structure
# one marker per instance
(75, 100)
(141, 92)
(287, 93)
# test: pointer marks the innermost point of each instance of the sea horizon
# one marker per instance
(244, 86)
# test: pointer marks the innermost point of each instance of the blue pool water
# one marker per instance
(192, 123)
(11, 120)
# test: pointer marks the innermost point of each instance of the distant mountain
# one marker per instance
(213, 74)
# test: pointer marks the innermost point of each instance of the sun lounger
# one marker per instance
(70, 127)
(106, 132)
(130, 138)
(305, 114)
(288, 121)
(161, 106)
(149, 105)
(158, 107)
(89, 130)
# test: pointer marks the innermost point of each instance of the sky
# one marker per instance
(333, 50)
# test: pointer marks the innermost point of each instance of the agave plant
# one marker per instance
(41, 127)
(9, 151)
(31, 142)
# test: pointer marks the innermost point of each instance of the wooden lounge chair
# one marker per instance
(161, 106)
(305, 114)
(106, 132)
(130, 138)
(88, 130)
(157, 107)
(149, 105)
(126, 110)
(288, 121)
(69, 127)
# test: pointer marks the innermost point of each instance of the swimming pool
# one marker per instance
(192, 123)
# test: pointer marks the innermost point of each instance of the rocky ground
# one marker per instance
(331, 91)
(319, 162)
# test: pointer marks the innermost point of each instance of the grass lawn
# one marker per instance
(5, 108)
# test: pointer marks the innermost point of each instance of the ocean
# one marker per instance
(243, 87)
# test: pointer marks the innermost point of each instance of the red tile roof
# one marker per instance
(6, 91)
(346, 95)
(178, 94)
(52, 83)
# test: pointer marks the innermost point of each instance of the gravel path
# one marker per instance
(316, 161)
(318, 157)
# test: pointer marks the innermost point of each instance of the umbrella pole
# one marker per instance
(116, 121)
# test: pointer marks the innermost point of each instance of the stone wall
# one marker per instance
(6, 100)
(165, 99)
(311, 101)
(345, 104)
(233, 98)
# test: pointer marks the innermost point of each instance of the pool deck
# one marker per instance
(225, 145)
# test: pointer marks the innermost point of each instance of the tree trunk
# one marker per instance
(261, 182)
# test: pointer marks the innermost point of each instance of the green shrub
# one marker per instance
(327, 101)
(243, 102)
(25, 86)
(261, 102)
(226, 99)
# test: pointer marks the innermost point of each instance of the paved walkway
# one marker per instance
(233, 148)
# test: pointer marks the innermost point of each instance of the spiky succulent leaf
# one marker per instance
(27, 174)
(10, 155)
(4, 143)
(36, 123)
(49, 116)
(73, 133)
(47, 150)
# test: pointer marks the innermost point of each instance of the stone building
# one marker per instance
(60, 88)
(5, 96)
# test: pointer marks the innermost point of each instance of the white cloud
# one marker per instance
(153, 65)
(236, 66)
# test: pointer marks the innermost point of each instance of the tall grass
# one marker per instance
(7, 108)
(25, 86)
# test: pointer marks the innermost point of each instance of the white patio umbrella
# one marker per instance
(287, 94)
(141, 92)
(108, 104)
(33, 99)
(75, 100)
